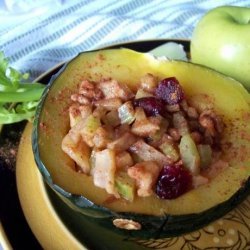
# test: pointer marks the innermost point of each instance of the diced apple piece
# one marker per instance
(78, 151)
(180, 123)
(123, 142)
(148, 153)
(123, 160)
(168, 148)
(142, 125)
(149, 82)
(205, 152)
(91, 124)
(112, 89)
(189, 154)
(101, 138)
(145, 175)
(125, 185)
(104, 171)
(109, 104)
(126, 113)
(142, 93)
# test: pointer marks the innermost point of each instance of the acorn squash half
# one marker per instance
(158, 218)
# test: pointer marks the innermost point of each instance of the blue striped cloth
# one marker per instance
(37, 35)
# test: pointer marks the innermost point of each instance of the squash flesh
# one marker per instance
(202, 86)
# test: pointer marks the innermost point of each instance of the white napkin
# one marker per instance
(37, 35)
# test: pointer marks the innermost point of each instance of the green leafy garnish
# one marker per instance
(18, 96)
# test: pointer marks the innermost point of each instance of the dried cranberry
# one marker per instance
(173, 181)
(170, 91)
(151, 105)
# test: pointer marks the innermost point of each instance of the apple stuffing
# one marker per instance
(144, 143)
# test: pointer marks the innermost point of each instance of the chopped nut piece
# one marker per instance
(207, 122)
(89, 90)
(217, 125)
(127, 224)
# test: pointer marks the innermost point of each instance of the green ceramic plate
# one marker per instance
(56, 226)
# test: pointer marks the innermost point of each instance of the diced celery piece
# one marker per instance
(159, 133)
(89, 128)
(189, 154)
(125, 186)
(92, 124)
(205, 152)
(170, 151)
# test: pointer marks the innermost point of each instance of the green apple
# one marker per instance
(221, 40)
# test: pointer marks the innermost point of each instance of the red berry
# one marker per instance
(170, 91)
(150, 105)
(173, 181)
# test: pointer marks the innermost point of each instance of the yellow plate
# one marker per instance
(39, 212)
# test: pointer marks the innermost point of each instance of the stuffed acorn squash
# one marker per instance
(146, 214)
